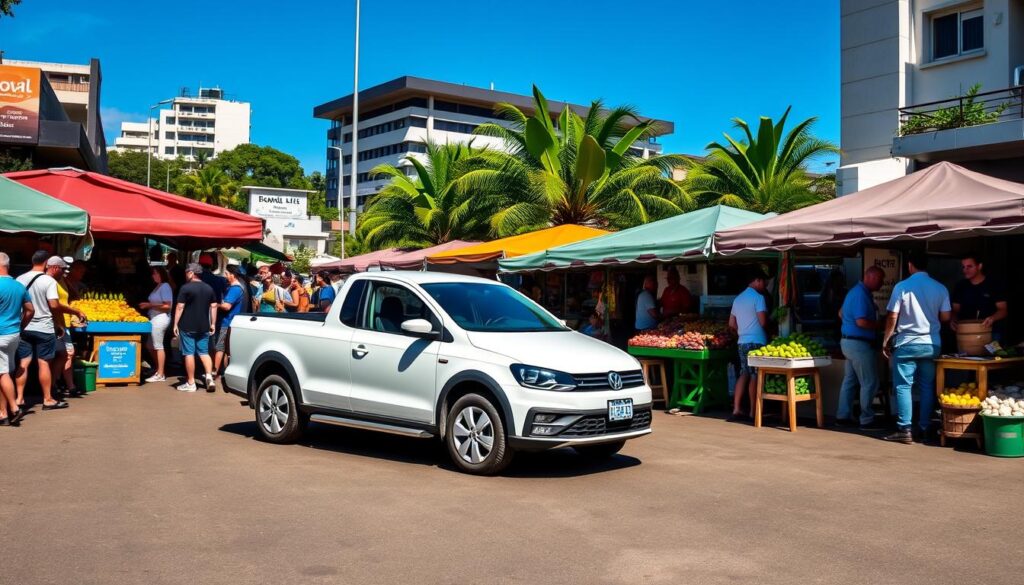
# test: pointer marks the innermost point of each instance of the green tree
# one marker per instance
(7, 7)
(580, 171)
(317, 201)
(11, 160)
(249, 164)
(201, 158)
(209, 185)
(433, 207)
(303, 256)
(763, 173)
(354, 246)
(131, 166)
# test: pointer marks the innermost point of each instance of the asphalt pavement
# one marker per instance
(149, 485)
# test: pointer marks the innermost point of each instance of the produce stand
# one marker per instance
(980, 366)
(790, 369)
(700, 377)
(117, 349)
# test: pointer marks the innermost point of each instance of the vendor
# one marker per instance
(646, 306)
(977, 296)
(676, 299)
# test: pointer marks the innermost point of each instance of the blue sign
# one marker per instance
(117, 360)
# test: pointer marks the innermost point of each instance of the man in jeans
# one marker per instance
(39, 339)
(748, 318)
(859, 315)
(917, 308)
(15, 312)
(194, 320)
(235, 301)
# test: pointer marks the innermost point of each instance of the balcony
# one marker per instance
(975, 126)
(196, 115)
(64, 86)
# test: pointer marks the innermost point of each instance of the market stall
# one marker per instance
(29, 215)
(415, 259)
(483, 258)
(362, 262)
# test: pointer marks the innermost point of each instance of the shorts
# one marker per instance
(64, 344)
(194, 343)
(222, 340)
(9, 353)
(744, 349)
(159, 325)
(35, 344)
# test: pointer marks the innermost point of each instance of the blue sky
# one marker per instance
(697, 64)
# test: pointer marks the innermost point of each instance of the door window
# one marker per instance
(390, 305)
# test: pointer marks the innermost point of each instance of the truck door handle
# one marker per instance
(360, 351)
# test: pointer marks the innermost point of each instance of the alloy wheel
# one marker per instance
(474, 434)
(274, 409)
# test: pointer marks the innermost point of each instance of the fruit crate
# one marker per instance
(788, 363)
(961, 422)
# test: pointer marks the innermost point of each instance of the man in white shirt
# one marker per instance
(39, 339)
(748, 318)
(917, 308)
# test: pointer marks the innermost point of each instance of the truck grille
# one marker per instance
(597, 425)
(595, 382)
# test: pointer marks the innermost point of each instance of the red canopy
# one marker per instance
(118, 208)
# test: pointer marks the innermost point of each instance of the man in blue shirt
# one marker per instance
(748, 317)
(234, 302)
(918, 307)
(646, 307)
(859, 315)
(16, 311)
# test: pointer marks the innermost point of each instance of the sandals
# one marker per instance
(15, 417)
(56, 406)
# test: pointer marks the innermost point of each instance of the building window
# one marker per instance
(169, 150)
(957, 33)
(446, 126)
(169, 135)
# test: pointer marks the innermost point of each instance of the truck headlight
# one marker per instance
(543, 379)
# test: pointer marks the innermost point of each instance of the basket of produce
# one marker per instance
(776, 384)
(960, 408)
(683, 334)
(791, 351)
(1003, 416)
(109, 313)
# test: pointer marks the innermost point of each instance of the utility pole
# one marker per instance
(355, 139)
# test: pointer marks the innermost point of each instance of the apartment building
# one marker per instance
(907, 70)
(206, 123)
(396, 118)
(66, 105)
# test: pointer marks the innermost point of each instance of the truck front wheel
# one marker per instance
(475, 436)
(277, 412)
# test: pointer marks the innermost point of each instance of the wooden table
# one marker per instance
(980, 368)
(790, 397)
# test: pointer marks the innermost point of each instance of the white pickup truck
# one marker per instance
(426, 354)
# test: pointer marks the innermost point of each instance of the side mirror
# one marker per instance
(419, 328)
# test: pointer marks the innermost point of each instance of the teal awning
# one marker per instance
(28, 210)
(683, 237)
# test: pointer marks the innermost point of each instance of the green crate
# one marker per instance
(85, 375)
(1004, 435)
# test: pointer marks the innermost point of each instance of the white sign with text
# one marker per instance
(272, 203)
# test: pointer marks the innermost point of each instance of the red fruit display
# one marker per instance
(686, 333)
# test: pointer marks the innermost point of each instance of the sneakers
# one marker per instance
(186, 387)
(156, 378)
(211, 383)
(902, 436)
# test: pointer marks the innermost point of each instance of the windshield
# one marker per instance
(491, 307)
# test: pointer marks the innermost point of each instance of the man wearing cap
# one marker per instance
(218, 283)
(39, 339)
(194, 321)
(15, 312)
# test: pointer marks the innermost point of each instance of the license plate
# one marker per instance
(621, 409)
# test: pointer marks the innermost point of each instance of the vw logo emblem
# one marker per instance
(614, 381)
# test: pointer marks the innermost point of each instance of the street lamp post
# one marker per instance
(355, 138)
(341, 198)
(149, 147)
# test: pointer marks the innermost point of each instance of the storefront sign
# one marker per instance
(19, 105)
(889, 261)
(119, 358)
(271, 203)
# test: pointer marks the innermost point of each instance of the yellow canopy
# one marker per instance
(517, 245)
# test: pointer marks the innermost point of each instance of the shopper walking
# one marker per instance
(16, 311)
(917, 308)
(158, 308)
(39, 339)
(860, 324)
(748, 317)
(235, 301)
(194, 320)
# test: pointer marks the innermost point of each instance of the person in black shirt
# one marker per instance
(194, 321)
(977, 296)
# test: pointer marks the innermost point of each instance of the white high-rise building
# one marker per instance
(397, 117)
(189, 125)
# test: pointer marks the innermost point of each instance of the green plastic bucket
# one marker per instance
(85, 375)
(1004, 436)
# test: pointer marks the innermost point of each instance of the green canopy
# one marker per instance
(686, 236)
(28, 210)
(257, 252)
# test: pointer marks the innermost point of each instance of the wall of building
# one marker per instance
(233, 125)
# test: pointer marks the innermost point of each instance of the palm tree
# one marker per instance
(201, 157)
(580, 171)
(764, 173)
(209, 185)
(431, 207)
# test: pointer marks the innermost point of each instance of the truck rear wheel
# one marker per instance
(277, 412)
(475, 436)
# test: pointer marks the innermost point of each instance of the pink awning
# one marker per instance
(944, 200)
(414, 260)
(363, 262)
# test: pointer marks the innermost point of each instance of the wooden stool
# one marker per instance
(790, 397)
(659, 390)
